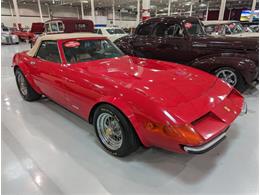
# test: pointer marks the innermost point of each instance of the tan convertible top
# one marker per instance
(54, 37)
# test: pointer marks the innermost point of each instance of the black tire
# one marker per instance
(130, 140)
(240, 84)
(31, 94)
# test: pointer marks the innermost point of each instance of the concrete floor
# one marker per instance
(48, 150)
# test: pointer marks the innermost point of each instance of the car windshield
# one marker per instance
(234, 28)
(194, 28)
(88, 50)
(5, 29)
(113, 31)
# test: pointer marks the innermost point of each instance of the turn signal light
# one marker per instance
(184, 134)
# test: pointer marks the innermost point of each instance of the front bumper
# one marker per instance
(206, 147)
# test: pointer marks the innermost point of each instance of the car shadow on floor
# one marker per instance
(186, 168)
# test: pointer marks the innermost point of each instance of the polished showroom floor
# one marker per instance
(48, 150)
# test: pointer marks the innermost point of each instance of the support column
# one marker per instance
(78, 12)
(82, 9)
(49, 11)
(93, 11)
(207, 12)
(146, 9)
(229, 15)
(191, 5)
(169, 7)
(40, 10)
(138, 12)
(113, 13)
(16, 13)
(222, 10)
(252, 10)
(11, 11)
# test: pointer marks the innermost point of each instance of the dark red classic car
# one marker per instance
(183, 40)
(61, 25)
(130, 100)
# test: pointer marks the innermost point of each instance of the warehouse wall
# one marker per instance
(29, 13)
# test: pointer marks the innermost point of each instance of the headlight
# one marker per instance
(184, 134)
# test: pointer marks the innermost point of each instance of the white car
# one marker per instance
(227, 28)
(7, 38)
(113, 33)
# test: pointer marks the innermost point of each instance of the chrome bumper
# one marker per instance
(206, 147)
(244, 109)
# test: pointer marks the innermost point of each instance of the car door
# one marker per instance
(172, 45)
(142, 41)
(46, 69)
(80, 93)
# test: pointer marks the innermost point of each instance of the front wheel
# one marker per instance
(232, 77)
(114, 131)
(25, 89)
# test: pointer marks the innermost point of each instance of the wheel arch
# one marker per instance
(125, 110)
(240, 64)
(27, 75)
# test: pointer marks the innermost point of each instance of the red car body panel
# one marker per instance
(143, 89)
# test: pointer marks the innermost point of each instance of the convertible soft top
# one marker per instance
(55, 37)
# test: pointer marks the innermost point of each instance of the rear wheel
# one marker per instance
(25, 89)
(232, 77)
(114, 131)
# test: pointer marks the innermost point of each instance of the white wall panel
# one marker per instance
(29, 13)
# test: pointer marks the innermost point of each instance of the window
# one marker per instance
(87, 50)
(235, 28)
(47, 27)
(194, 28)
(54, 27)
(145, 29)
(5, 29)
(81, 27)
(113, 31)
(61, 26)
(172, 30)
(49, 51)
(100, 31)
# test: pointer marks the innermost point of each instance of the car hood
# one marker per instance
(166, 83)
(226, 42)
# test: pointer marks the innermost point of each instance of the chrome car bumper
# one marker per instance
(206, 147)
(244, 109)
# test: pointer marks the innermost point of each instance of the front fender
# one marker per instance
(128, 112)
(246, 67)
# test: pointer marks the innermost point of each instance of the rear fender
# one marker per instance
(19, 63)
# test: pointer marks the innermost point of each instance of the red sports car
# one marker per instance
(131, 101)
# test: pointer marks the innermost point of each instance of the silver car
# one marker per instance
(7, 37)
